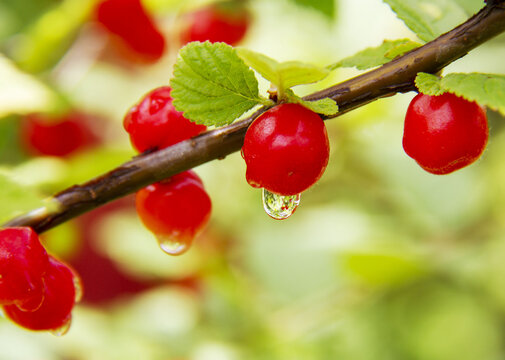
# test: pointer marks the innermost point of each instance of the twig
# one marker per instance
(394, 77)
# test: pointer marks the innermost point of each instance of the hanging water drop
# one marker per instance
(173, 245)
(63, 329)
(280, 207)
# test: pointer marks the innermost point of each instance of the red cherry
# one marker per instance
(59, 299)
(444, 133)
(175, 210)
(286, 149)
(219, 22)
(154, 122)
(129, 22)
(23, 263)
(58, 136)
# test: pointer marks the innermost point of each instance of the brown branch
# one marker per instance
(394, 77)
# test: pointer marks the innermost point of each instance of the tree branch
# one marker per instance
(394, 77)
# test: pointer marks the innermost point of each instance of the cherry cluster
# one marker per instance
(37, 291)
(178, 208)
(137, 36)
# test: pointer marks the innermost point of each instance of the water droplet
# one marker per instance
(63, 329)
(78, 288)
(174, 245)
(280, 207)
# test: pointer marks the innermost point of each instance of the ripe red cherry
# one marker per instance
(56, 136)
(59, 299)
(23, 263)
(175, 210)
(154, 122)
(129, 22)
(286, 149)
(218, 22)
(444, 133)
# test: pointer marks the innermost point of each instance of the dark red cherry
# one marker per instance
(59, 298)
(154, 123)
(130, 23)
(225, 21)
(286, 149)
(444, 133)
(23, 264)
(175, 210)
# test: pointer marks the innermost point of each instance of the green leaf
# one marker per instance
(325, 7)
(376, 56)
(325, 106)
(283, 75)
(212, 85)
(429, 84)
(485, 89)
(429, 18)
(16, 198)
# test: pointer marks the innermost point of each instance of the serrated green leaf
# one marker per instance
(16, 198)
(376, 56)
(485, 89)
(283, 74)
(212, 85)
(429, 84)
(325, 106)
(429, 18)
(325, 7)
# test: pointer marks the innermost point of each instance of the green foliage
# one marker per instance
(485, 89)
(325, 7)
(429, 84)
(17, 198)
(431, 18)
(212, 85)
(376, 56)
(326, 106)
(283, 75)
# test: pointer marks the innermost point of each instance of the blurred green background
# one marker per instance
(381, 260)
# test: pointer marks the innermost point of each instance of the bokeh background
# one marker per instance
(380, 261)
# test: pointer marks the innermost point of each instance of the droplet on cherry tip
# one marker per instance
(279, 207)
(63, 329)
(173, 245)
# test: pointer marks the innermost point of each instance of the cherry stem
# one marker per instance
(394, 77)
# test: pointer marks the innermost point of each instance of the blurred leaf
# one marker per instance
(383, 268)
(376, 56)
(49, 37)
(325, 7)
(283, 75)
(471, 6)
(15, 198)
(429, 18)
(21, 93)
(212, 85)
(485, 89)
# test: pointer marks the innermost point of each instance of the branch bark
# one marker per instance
(394, 77)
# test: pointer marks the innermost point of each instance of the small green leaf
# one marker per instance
(485, 89)
(376, 56)
(429, 18)
(325, 106)
(325, 7)
(212, 85)
(283, 75)
(429, 84)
